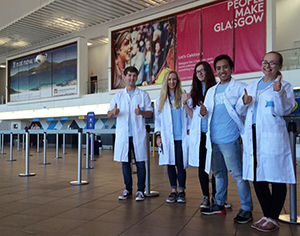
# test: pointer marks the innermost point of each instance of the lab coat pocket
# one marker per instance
(273, 142)
(269, 107)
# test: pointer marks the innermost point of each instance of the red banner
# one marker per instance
(215, 39)
(188, 43)
(250, 35)
(248, 21)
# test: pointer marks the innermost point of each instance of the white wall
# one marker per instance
(287, 24)
(98, 62)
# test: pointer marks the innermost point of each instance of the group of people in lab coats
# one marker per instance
(206, 128)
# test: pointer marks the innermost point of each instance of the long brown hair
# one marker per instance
(210, 80)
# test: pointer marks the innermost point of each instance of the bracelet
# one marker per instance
(158, 135)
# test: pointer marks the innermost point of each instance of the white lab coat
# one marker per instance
(164, 125)
(195, 137)
(232, 93)
(274, 157)
(126, 106)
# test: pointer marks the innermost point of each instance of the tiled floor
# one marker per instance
(47, 205)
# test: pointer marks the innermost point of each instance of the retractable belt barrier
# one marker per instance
(89, 156)
(292, 218)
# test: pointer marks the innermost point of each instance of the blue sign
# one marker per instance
(90, 120)
(296, 110)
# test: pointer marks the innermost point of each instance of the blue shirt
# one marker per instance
(176, 119)
(223, 128)
(260, 87)
(204, 122)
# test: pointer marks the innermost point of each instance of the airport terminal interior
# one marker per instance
(58, 73)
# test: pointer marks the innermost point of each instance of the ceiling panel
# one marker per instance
(63, 17)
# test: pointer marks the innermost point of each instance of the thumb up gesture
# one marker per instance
(186, 96)
(277, 84)
(203, 110)
(246, 98)
(116, 110)
(138, 110)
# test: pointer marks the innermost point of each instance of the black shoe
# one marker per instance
(181, 197)
(214, 209)
(243, 217)
(172, 197)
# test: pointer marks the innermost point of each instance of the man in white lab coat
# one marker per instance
(222, 143)
(131, 106)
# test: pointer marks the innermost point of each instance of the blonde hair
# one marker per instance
(165, 93)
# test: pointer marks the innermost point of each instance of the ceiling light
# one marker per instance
(20, 43)
(66, 24)
(89, 44)
(2, 66)
(4, 41)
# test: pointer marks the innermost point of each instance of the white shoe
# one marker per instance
(126, 194)
(139, 196)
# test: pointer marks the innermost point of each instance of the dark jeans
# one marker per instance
(203, 176)
(181, 173)
(127, 172)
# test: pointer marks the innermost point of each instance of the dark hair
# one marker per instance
(131, 69)
(210, 80)
(224, 57)
(279, 56)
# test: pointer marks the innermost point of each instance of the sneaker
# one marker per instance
(205, 202)
(139, 196)
(181, 197)
(243, 217)
(126, 194)
(214, 209)
(226, 205)
(172, 197)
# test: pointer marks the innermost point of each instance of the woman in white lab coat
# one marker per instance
(171, 134)
(203, 79)
(267, 158)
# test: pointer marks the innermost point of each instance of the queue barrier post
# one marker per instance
(92, 147)
(148, 192)
(2, 144)
(18, 142)
(37, 142)
(57, 147)
(87, 159)
(64, 144)
(79, 181)
(23, 141)
(292, 218)
(45, 151)
(27, 173)
(11, 148)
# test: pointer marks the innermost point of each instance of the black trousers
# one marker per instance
(203, 176)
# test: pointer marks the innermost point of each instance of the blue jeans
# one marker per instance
(127, 172)
(229, 157)
(181, 173)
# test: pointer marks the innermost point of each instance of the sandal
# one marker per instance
(259, 222)
(269, 225)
